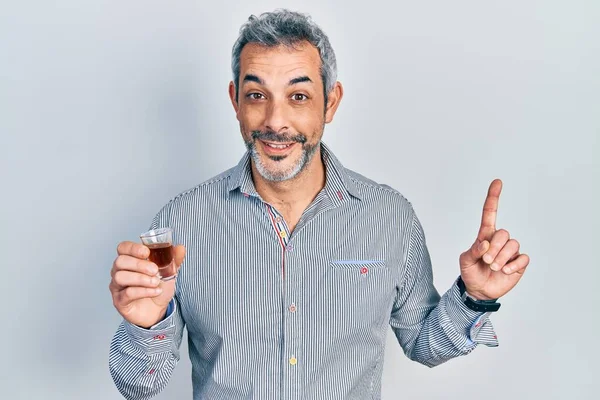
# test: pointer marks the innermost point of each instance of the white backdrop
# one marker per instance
(110, 108)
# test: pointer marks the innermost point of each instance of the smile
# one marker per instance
(276, 148)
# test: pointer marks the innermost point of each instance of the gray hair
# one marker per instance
(284, 27)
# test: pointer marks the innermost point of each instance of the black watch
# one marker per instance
(473, 304)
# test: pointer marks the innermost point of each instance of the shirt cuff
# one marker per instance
(158, 338)
(475, 326)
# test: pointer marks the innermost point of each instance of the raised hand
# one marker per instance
(493, 265)
(138, 293)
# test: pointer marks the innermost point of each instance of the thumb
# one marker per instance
(179, 254)
(474, 254)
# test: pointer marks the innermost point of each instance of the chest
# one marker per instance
(329, 278)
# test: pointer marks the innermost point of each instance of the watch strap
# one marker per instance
(474, 304)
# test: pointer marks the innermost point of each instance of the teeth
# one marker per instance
(278, 146)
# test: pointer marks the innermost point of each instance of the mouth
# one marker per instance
(276, 148)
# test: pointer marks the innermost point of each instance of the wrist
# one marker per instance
(474, 294)
(480, 304)
(161, 316)
(148, 324)
(478, 296)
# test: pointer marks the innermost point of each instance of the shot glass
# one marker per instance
(160, 243)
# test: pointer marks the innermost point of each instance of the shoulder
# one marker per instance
(378, 192)
(211, 190)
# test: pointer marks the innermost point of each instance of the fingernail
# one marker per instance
(154, 280)
(481, 246)
(507, 270)
(158, 290)
(488, 258)
(495, 267)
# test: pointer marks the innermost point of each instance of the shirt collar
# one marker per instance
(338, 185)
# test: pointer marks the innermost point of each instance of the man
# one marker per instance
(291, 266)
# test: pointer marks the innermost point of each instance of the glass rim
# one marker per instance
(155, 232)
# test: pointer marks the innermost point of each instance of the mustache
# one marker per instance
(271, 136)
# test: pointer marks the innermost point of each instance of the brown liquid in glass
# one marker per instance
(161, 254)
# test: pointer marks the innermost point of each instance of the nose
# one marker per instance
(276, 119)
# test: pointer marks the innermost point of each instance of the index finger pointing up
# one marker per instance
(490, 210)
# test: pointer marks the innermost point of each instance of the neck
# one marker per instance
(294, 193)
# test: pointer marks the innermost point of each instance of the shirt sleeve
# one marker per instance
(432, 329)
(142, 360)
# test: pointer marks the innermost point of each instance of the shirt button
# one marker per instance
(282, 234)
(289, 247)
(293, 361)
(292, 308)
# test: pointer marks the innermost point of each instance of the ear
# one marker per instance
(234, 103)
(333, 101)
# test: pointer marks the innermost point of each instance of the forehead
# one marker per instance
(302, 58)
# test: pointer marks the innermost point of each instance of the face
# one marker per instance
(281, 107)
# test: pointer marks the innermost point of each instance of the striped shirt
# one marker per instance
(274, 314)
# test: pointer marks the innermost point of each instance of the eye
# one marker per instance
(255, 96)
(299, 97)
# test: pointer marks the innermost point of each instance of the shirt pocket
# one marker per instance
(361, 266)
(362, 287)
(360, 275)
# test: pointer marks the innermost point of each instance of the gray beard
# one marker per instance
(308, 151)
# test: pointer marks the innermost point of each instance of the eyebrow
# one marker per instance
(294, 81)
(299, 80)
(253, 78)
